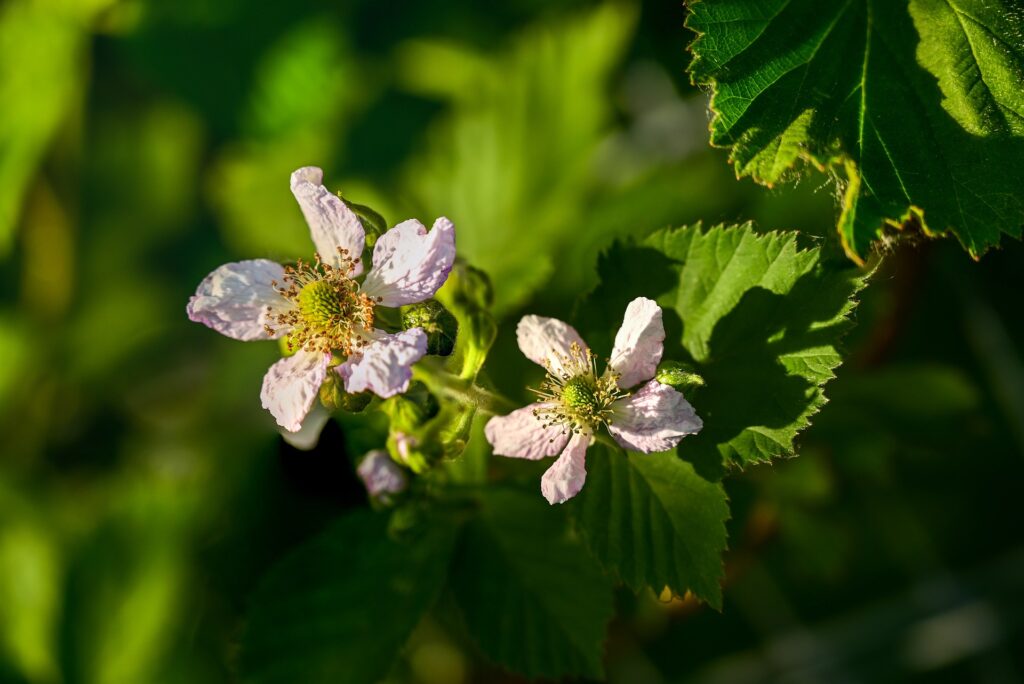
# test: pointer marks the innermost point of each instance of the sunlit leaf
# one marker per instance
(41, 49)
(512, 163)
(30, 574)
(921, 109)
(655, 521)
(299, 103)
(759, 317)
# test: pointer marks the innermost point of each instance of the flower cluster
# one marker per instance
(327, 315)
(574, 401)
(325, 306)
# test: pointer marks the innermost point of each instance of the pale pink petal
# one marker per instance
(332, 224)
(639, 343)
(655, 418)
(521, 434)
(290, 387)
(548, 342)
(564, 479)
(410, 264)
(233, 300)
(384, 366)
(381, 475)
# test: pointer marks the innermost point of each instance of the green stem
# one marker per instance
(464, 391)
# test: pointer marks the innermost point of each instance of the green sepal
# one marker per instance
(334, 397)
(444, 436)
(440, 325)
(374, 225)
(468, 295)
(680, 376)
(410, 410)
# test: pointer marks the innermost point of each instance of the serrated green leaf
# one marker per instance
(927, 131)
(530, 594)
(340, 607)
(759, 316)
(653, 520)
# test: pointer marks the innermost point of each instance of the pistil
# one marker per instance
(325, 310)
(576, 398)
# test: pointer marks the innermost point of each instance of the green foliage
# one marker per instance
(512, 165)
(30, 565)
(918, 103)
(42, 49)
(759, 318)
(530, 595)
(338, 608)
(143, 491)
(469, 295)
(655, 521)
(293, 113)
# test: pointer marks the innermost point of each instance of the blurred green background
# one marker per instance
(143, 490)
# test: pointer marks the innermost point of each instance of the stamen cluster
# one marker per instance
(575, 397)
(326, 311)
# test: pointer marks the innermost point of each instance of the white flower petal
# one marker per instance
(332, 224)
(380, 474)
(233, 300)
(655, 418)
(548, 341)
(410, 264)
(384, 366)
(290, 387)
(308, 435)
(521, 434)
(565, 478)
(639, 343)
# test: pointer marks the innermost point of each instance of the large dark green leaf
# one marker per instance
(760, 319)
(340, 607)
(921, 109)
(531, 595)
(759, 316)
(655, 521)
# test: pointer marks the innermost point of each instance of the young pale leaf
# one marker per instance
(530, 594)
(340, 607)
(919, 102)
(655, 521)
(758, 317)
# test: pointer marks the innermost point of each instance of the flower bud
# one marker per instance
(334, 397)
(413, 452)
(382, 477)
(679, 376)
(438, 322)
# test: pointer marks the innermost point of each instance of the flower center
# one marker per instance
(578, 395)
(320, 304)
(577, 398)
(325, 310)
